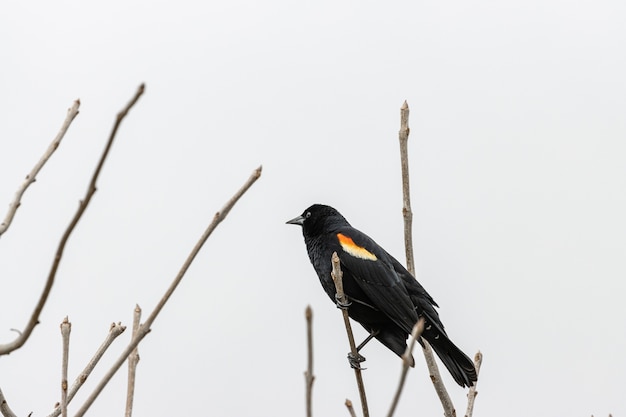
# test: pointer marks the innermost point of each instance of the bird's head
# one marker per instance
(319, 219)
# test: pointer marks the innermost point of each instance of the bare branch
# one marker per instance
(337, 276)
(34, 319)
(406, 363)
(66, 328)
(471, 395)
(435, 376)
(350, 408)
(72, 112)
(308, 374)
(114, 331)
(144, 329)
(133, 360)
(406, 189)
(5, 410)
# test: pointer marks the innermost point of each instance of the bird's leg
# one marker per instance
(342, 305)
(355, 360)
(372, 335)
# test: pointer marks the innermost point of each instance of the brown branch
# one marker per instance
(406, 363)
(133, 360)
(308, 374)
(91, 190)
(350, 408)
(66, 328)
(471, 395)
(435, 376)
(144, 329)
(72, 112)
(337, 276)
(5, 410)
(114, 331)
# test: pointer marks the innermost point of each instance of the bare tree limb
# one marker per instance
(308, 374)
(114, 331)
(66, 328)
(133, 360)
(350, 408)
(406, 363)
(144, 329)
(337, 276)
(72, 112)
(91, 190)
(471, 395)
(4, 406)
(435, 376)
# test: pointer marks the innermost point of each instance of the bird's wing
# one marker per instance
(373, 271)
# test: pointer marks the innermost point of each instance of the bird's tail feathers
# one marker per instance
(461, 367)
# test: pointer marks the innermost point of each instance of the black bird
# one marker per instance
(384, 297)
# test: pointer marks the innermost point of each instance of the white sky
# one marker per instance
(518, 177)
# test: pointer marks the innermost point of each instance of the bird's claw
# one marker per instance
(342, 305)
(355, 361)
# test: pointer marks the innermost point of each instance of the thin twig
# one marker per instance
(133, 360)
(350, 408)
(91, 190)
(144, 329)
(4, 407)
(406, 363)
(407, 214)
(433, 369)
(308, 374)
(66, 328)
(72, 112)
(114, 331)
(471, 395)
(337, 276)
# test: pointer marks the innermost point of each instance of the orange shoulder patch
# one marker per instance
(353, 249)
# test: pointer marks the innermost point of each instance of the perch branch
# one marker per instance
(91, 190)
(471, 395)
(144, 329)
(66, 328)
(308, 374)
(114, 331)
(435, 376)
(72, 112)
(4, 406)
(133, 360)
(337, 276)
(406, 363)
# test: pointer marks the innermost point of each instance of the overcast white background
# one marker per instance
(517, 155)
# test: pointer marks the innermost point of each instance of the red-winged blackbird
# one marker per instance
(384, 297)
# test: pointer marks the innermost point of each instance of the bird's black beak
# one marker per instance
(297, 221)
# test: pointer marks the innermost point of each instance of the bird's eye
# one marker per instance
(308, 214)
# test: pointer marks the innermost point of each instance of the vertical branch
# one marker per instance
(406, 363)
(435, 376)
(308, 374)
(72, 112)
(133, 360)
(114, 331)
(407, 213)
(337, 276)
(66, 328)
(471, 395)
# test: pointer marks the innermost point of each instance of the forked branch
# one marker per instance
(91, 190)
